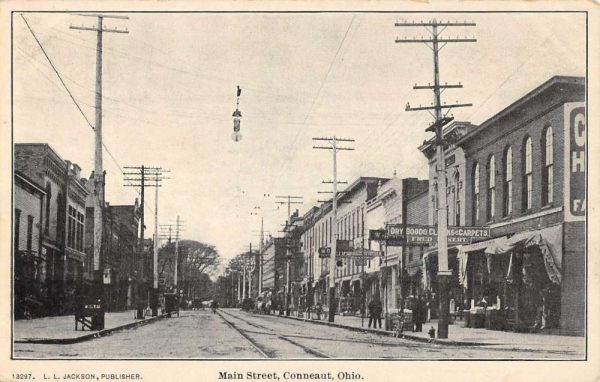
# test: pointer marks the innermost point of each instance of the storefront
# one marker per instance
(430, 286)
(519, 277)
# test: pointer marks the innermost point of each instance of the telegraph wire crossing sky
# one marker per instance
(170, 87)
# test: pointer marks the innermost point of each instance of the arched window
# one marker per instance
(507, 183)
(527, 184)
(491, 194)
(548, 169)
(476, 193)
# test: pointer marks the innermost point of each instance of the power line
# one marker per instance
(56, 71)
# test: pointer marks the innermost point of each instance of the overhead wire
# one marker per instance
(74, 100)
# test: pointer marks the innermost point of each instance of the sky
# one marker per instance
(169, 89)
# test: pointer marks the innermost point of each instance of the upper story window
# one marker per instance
(527, 184)
(457, 199)
(48, 199)
(491, 194)
(548, 169)
(434, 202)
(507, 183)
(476, 193)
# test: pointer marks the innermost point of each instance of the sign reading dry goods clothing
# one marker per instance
(574, 161)
(411, 234)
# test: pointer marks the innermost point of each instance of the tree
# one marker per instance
(196, 262)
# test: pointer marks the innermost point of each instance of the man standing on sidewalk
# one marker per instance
(375, 309)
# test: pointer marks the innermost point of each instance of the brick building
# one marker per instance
(455, 172)
(404, 201)
(63, 225)
(119, 252)
(525, 179)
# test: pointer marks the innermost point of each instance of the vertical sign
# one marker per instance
(574, 161)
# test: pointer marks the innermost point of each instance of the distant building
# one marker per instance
(119, 252)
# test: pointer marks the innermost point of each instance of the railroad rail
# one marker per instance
(269, 332)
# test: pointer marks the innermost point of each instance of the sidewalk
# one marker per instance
(61, 329)
(458, 335)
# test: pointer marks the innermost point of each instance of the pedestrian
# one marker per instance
(420, 304)
(214, 306)
(375, 309)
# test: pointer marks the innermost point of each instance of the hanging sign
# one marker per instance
(419, 235)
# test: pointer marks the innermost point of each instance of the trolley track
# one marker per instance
(264, 350)
(291, 338)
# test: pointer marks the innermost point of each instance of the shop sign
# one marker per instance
(418, 235)
(366, 254)
(377, 234)
(342, 246)
(324, 252)
(574, 161)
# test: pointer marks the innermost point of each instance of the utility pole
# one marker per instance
(290, 200)
(167, 232)
(333, 141)
(435, 28)
(178, 229)
(98, 168)
(143, 177)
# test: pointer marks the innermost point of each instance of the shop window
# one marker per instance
(527, 184)
(507, 184)
(491, 194)
(548, 169)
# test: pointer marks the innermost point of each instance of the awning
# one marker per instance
(548, 240)
(463, 256)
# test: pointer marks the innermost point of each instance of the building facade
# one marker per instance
(30, 266)
(525, 179)
(63, 226)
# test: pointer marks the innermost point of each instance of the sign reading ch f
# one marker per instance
(574, 161)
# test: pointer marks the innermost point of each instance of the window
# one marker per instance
(491, 194)
(457, 199)
(434, 203)
(17, 229)
(527, 186)
(507, 184)
(29, 233)
(75, 229)
(476, 193)
(548, 169)
(48, 198)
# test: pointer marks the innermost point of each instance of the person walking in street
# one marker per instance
(375, 309)
(214, 306)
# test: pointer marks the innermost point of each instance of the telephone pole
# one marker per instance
(333, 146)
(149, 177)
(435, 28)
(291, 199)
(98, 168)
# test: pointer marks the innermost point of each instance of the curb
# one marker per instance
(438, 341)
(87, 337)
